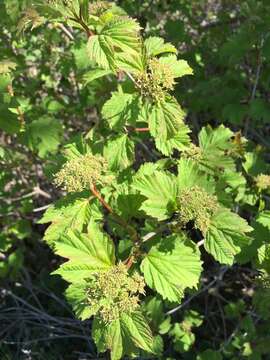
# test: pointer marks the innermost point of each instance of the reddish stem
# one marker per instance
(129, 262)
(97, 194)
(141, 129)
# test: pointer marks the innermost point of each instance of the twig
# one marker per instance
(223, 270)
(39, 191)
(42, 208)
(200, 243)
(48, 338)
(66, 31)
(146, 129)
(255, 85)
(162, 228)
(97, 194)
(118, 219)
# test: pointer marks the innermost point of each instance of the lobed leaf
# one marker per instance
(87, 253)
(160, 189)
(171, 267)
(226, 236)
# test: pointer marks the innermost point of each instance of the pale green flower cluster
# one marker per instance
(82, 172)
(196, 204)
(98, 7)
(61, 2)
(194, 152)
(156, 81)
(114, 292)
(263, 181)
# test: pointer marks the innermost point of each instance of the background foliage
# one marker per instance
(49, 96)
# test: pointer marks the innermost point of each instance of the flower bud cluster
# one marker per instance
(263, 181)
(81, 172)
(113, 292)
(156, 80)
(196, 204)
(61, 2)
(96, 8)
(194, 152)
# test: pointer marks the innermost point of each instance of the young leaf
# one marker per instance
(119, 152)
(264, 219)
(114, 339)
(43, 135)
(94, 74)
(165, 118)
(155, 46)
(120, 109)
(180, 141)
(100, 50)
(189, 175)
(136, 328)
(226, 236)
(118, 34)
(69, 213)
(76, 296)
(179, 68)
(124, 34)
(170, 267)
(87, 253)
(160, 190)
(215, 144)
(122, 336)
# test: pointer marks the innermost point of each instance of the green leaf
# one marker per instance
(118, 35)
(209, 355)
(235, 113)
(123, 335)
(263, 257)
(172, 266)
(180, 141)
(264, 219)
(215, 145)
(156, 46)
(219, 138)
(160, 189)
(165, 118)
(226, 236)
(124, 33)
(255, 164)
(87, 253)
(179, 68)
(189, 175)
(70, 213)
(81, 57)
(43, 135)
(120, 109)
(76, 296)
(8, 121)
(119, 152)
(115, 339)
(154, 309)
(136, 328)
(94, 74)
(183, 338)
(100, 50)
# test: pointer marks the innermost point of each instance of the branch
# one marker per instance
(256, 82)
(217, 279)
(66, 31)
(118, 219)
(97, 194)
